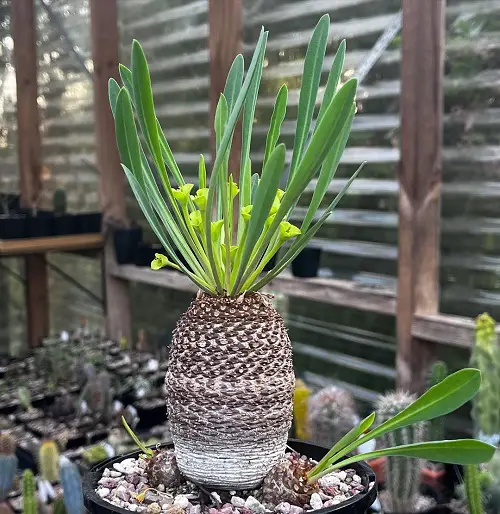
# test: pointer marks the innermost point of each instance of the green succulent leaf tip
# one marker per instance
(441, 399)
(229, 226)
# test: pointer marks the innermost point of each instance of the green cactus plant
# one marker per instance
(72, 486)
(473, 489)
(331, 413)
(48, 459)
(486, 356)
(8, 464)
(24, 396)
(439, 371)
(29, 498)
(59, 202)
(58, 506)
(403, 473)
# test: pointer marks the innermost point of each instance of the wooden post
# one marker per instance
(105, 42)
(419, 180)
(224, 43)
(29, 149)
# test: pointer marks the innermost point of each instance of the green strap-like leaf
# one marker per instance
(333, 79)
(234, 81)
(459, 451)
(262, 203)
(202, 173)
(313, 64)
(350, 437)
(328, 170)
(277, 118)
(113, 91)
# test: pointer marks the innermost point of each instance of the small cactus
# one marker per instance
(486, 357)
(48, 457)
(403, 473)
(331, 414)
(300, 404)
(72, 486)
(439, 372)
(29, 498)
(58, 506)
(473, 489)
(59, 202)
(24, 395)
(8, 464)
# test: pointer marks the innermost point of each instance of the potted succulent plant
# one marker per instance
(230, 382)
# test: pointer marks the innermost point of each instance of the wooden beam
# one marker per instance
(224, 43)
(37, 245)
(421, 107)
(105, 44)
(29, 150)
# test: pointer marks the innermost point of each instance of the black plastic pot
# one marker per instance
(40, 225)
(12, 226)
(64, 225)
(358, 504)
(89, 223)
(145, 254)
(306, 264)
(126, 242)
(150, 415)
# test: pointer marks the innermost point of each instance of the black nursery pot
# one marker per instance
(145, 253)
(358, 504)
(12, 226)
(40, 225)
(89, 223)
(64, 225)
(126, 242)
(306, 264)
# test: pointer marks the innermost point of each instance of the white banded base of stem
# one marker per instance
(222, 466)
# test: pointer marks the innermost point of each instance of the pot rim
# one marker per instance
(97, 505)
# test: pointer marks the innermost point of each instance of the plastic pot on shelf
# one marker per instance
(146, 253)
(358, 504)
(40, 224)
(126, 242)
(306, 264)
(89, 223)
(64, 224)
(12, 226)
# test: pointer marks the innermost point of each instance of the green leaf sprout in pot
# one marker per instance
(230, 414)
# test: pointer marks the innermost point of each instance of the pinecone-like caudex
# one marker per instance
(287, 481)
(229, 389)
(331, 414)
(162, 469)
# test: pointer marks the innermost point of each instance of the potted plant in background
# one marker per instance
(126, 240)
(64, 223)
(12, 223)
(230, 382)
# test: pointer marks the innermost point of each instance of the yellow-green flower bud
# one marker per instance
(196, 220)
(233, 188)
(182, 193)
(246, 212)
(232, 251)
(216, 228)
(280, 194)
(200, 199)
(287, 231)
(161, 261)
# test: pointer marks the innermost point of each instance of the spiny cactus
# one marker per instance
(72, 486)
(439, 371)
(24, 396)
(48, 459)
(29, 498)
(403, 474)
(331, 414)
(8, 464)
(300, 404)
(486, 357)
(58, 506)
(473, 489)
(59, 202)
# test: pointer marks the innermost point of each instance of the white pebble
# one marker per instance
(118, 467)
(344, 487)
(237, 502)
(329, 480)
(341, 475)
(283, 508)
(132, 507)
(356, 478)
(254, 505)
(106, 472)
(316, 502)
(296, 510)
(339, 498)
(181, 501)
(122, 492)
(103, 492)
